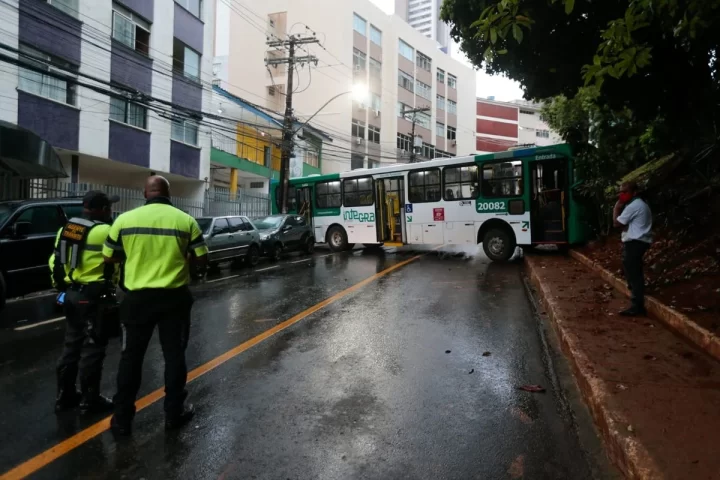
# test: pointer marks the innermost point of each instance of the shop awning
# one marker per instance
(24, 154)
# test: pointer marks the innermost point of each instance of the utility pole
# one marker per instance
(414, 112)
(287, 141)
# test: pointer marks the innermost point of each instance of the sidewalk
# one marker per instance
(654, 397)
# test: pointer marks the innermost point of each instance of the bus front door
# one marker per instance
(304, 204)
(549, 202)
(390, 194)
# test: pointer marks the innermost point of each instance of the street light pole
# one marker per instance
(414, 111)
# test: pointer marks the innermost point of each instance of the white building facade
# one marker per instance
(424, 16)
(360, 48)
(116, 87)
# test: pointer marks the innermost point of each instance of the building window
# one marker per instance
(124, 111)
(374, 134)
(406, 50)
(452, 106)
(375, 68)
(358, 128)
(358, 192)
(451, 133)
(45, 84)
(401, 109)
(375, 102)
(375, 35)
(440, 129)
(192, 6)
(428, 151)
(68, 6)
(186, 60)
(452, 81)
(328, 194)
(404, 142)
(422, 119)
(359, 25)
(424, 186)
(440, 102)
(257, 184)
(527, 112)
(373, 163)
(131, 30)
(461, 183)
(184, 130)
(424, 62)
(542, 133)
(359, 60)
(356, 161)
(406, 81)
(440, 75)
(312, 155)
(424, 90)
(502, 180)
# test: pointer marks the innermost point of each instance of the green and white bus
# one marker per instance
(520, 198)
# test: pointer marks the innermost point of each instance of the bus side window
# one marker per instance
(425, 186)
(502, 179)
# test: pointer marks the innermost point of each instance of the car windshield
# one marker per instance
(5, 211)
(204, 224)
(267, 223)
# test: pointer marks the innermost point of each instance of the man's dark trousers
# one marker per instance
(140, 311)
(633, 253)
(81, 307)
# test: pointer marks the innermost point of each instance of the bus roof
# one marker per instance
(560, 149)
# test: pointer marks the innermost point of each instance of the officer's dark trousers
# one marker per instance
(633, 253)
(140, 312)
(80, 350)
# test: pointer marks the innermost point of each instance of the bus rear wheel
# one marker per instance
(337, 239)
(498, 245)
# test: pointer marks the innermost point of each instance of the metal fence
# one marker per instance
(217, 201)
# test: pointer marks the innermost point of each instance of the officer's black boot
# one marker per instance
(180, 419)
(67, 395)
(92, 401)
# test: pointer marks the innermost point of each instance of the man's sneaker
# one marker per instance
(177, 421)
(120, 429)
(67, 400)
(634, 312)
(96, 404)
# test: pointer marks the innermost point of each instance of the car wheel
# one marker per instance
(337, 239)
(276, 252)
(253, 255)
(498, 245)
(309, 246)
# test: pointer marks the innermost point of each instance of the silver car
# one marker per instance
(231, 238)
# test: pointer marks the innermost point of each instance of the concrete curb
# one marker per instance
(705, 340)
(629, 455)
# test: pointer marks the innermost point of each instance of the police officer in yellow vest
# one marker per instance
(79, 270)
(156, 242)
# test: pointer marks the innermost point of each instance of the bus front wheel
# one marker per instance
(498, 245)
(337, 239)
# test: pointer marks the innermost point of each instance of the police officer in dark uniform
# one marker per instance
(89, 283)
(155, 242)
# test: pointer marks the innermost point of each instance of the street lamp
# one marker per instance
(359, 93)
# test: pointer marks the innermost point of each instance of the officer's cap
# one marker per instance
(96, 200)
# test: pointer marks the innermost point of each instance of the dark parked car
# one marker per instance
(230, 238)
(283, 233)
(27, 236)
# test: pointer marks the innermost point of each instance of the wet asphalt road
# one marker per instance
(377, 384)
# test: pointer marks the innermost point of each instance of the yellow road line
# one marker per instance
(50, 455)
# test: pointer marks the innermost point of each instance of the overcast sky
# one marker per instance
(502, 88)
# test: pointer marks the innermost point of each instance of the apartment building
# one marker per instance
(116, 87)
(424, 16)
(360, 47)
(502, 125)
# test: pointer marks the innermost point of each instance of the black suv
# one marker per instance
(27, 235)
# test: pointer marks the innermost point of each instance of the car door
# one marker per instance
(252, 234)
(240, 239)
(218, 242)
(26, 258)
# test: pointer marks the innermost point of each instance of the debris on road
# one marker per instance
(471, 371)
(447, 351)
(532, 388)
(486, 354)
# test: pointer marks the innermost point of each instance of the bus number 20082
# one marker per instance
(490, 206)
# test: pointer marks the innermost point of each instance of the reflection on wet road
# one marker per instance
(358, 375)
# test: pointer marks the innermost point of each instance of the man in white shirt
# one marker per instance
(634, 216)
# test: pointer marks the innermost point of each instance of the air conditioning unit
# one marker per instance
(358, 68)
(359, 140)
(377, 113)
